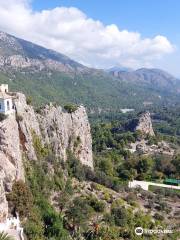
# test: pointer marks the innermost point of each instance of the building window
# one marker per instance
(8, 106)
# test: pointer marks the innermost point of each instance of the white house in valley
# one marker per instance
(6, 101)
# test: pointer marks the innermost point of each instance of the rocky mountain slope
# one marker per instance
(17, 53)
(50, 76)
(154, 78)
(142, 123)
(53, 128)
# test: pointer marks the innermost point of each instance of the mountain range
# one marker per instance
(153, 77)
(47, 75)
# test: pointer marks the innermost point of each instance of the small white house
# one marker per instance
(6, 102)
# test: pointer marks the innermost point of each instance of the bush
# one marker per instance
(70, 108)
(158, 216)
(20, 199)
(33, 228)
(29, 100)
(41, 151)
(120, 216)
(75, 168)
(79, 212)
(96, 204)
(131, 198)
(2, 117)
(19, 118)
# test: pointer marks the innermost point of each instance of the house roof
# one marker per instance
(4, 96)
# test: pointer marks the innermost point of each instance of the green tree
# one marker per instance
(29, 100)
(34, 227)
(20, 199)
(120, 215)
(70, 108)
(79, 212)
(106, 166)
(2, 117)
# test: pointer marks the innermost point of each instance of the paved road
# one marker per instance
(145, 185)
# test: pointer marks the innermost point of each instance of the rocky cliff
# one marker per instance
(53, 126)
(144, 124)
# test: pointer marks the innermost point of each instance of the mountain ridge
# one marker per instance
(50, 76)
(152, 76)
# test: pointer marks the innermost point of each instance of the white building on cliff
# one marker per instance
(6, 101)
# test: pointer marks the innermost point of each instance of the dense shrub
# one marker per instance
(120, 215)
(19, 118)
(70, 108)
(96, 204)
(2, 117)
(80, 211)
(158, 216)
(20, 199)
(29, 100)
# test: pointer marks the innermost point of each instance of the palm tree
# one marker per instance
(5, 236)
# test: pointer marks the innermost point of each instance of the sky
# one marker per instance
(101, 34)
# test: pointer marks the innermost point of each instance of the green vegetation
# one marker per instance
(110, 143)
(74, 214)
(29, 100)
(96, 90)
(69, 201)
(54, 204)
(70, 108)
(20, 199)
(2, 117)
(19, 118)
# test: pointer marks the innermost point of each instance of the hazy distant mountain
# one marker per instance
(50, 76)
(119, 69)
(154, 78)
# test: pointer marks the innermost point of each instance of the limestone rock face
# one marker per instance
(67, 131)
(11, 167)
(3, 201)
(53, 126)
(28, 124)
(144, 124)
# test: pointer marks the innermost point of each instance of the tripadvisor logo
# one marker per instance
(159, 230)
(139, 231)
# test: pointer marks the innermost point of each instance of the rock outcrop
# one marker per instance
(56, 128)
(20, 54)
(11, 167)
(53, 126)
(3, 201)
(65, 131)
(144, 124)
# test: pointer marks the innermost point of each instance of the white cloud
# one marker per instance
(70, 31)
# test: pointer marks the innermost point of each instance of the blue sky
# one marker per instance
(143, 21)
(148, 17)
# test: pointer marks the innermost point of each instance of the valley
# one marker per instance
(71, 144)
